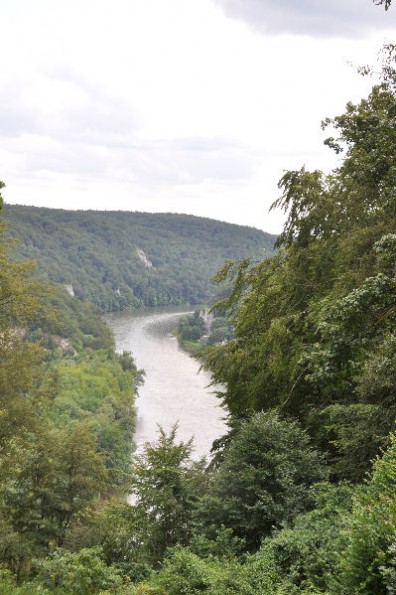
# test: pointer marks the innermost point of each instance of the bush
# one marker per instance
(78, 573)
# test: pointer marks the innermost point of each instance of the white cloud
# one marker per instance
(317, 18)
(168, 105)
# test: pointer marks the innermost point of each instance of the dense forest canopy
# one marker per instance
(120, 259)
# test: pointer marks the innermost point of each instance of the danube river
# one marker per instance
(174, 389)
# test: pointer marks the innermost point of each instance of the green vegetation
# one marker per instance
(66, 430)
(118, 259)
(264, 478)
(301, 494)
(194, 332)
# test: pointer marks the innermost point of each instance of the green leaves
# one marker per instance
(264, 478)
(66, 420)
(103, 256)
(164, 485)
(367, 563)
(80, 572)
(307, 552)
(305, 199)
(314, 325)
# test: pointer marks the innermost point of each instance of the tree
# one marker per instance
(260, 366)
(164, 486)
(367, 564)
(385, 3)
(264, 479)
(183, 572)
(2, 185)
(314, 323)
(352, 366)
(58, 476)
(22, 298)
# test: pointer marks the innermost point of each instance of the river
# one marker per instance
(174, 389)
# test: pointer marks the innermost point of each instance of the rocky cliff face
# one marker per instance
(144, 258)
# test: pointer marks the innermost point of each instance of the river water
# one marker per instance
(174, 389)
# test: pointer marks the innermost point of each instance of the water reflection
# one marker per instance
(173, 391)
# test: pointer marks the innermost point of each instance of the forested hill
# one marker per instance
(119, 259)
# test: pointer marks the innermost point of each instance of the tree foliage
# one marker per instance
(367, 563)
(315, 323)
(117, 260)
(66, 416)
(164, 487)
(264, 479)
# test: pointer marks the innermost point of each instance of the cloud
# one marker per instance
(57, 120)
(167, 104)
(153, 164)
(65, 107)
(193, 160)
(316, 18)
(178, 162)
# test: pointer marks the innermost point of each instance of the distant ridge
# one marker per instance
(120, 259)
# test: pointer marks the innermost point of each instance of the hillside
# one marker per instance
(120, 259)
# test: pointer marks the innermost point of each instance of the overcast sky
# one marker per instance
(193, 106)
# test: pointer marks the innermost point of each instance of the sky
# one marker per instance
(187, 106)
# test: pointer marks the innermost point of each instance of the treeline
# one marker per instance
(118, 259)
